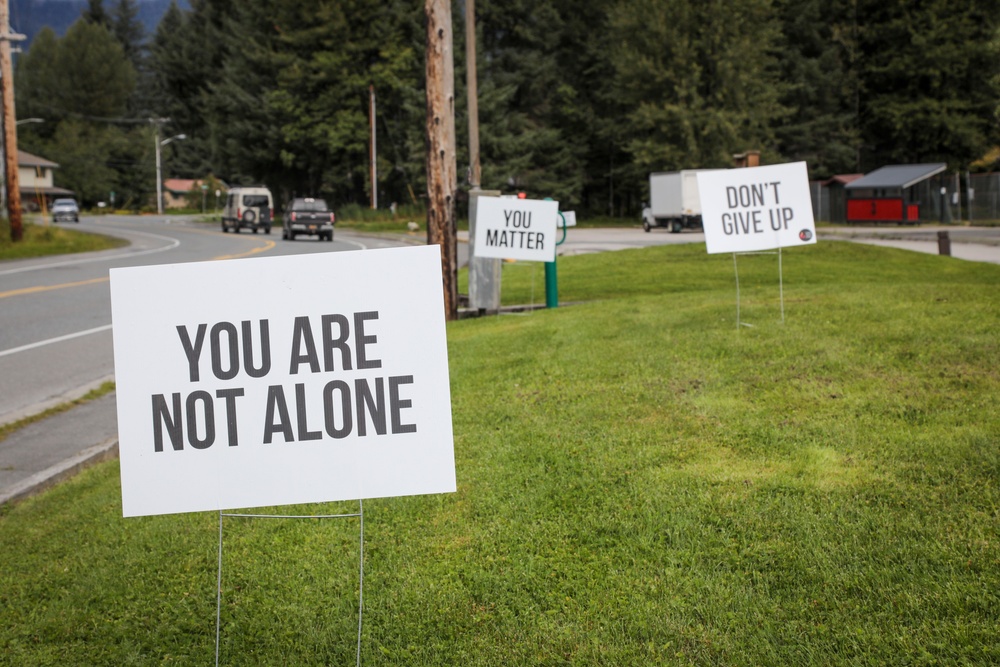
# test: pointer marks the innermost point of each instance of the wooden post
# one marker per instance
(9, 126)
(442, 182)
(471, 81)
(372, 151)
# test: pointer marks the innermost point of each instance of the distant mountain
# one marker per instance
(29, 16)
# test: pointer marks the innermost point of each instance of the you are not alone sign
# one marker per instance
(282, 380)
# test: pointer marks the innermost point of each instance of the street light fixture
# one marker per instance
(159, 178)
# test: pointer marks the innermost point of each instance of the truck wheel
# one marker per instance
(267, 230)
(645, 226)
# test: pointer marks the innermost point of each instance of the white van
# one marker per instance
(248, 208)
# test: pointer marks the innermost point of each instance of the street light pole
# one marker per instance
(159, 182)
(159, 173)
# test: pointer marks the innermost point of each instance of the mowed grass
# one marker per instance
(43, 240)
(640, 483)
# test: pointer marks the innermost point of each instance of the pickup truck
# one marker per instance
(308, 216)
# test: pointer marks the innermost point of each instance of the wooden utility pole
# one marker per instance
(372, 149)
(442, 181)
(9, 125)
(471, 83)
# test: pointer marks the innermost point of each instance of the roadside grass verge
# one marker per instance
(102, 390)
(640, 483)
(44, 240)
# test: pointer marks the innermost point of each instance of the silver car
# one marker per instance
(65, 209)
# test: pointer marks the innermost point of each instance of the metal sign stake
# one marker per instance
(361, 566)
(781, 286)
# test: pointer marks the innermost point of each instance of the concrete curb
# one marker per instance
(52, 475)
(66, 397)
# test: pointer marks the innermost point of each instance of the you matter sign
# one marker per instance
(516, 229)
(758, 208)
(282, 380)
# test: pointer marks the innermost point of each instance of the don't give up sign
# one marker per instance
(757, 208)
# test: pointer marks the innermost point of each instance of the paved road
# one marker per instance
(980, 244)
(55, 319)
(976, 244)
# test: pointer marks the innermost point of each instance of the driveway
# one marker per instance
(978, 244)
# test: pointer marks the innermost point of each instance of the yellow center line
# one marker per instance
(267, 246)
(47, 288)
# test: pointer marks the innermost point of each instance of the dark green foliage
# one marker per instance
(818, 55)
(83, 74)
(578, 100)
(81, 85)
(526, 101)
(929, 80)
(95, 13)
(697, 79)
(128, 29)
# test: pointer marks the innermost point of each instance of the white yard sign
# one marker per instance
(516, 229)
(284, 380)
(757, 208)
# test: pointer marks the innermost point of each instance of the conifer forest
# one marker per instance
(578, 99)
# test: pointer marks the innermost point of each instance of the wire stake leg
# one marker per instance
(781, 286)
(737, 272)
(218, 594)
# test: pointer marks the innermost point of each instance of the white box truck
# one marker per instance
(673, 201)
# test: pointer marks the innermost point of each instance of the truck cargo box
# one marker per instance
(673, 201)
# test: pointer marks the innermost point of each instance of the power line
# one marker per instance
(100, 119)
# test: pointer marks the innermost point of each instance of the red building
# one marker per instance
(891, 194)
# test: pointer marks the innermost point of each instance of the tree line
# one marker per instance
(578, 99)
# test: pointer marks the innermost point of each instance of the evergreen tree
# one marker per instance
(84, 74)
(929, 75)
(817, 62)
(81, 85)
(246, 129)
(84, 152)
(37, 82)
(524, 101)
(128, 29)
(95, 13)
(699, 79)
(175, 88)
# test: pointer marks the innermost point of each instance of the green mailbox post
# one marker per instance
(551, 279)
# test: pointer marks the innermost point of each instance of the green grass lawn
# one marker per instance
(640, 483)
(50, 239)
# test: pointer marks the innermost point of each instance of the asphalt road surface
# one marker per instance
(980, 244)
(55, 312)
